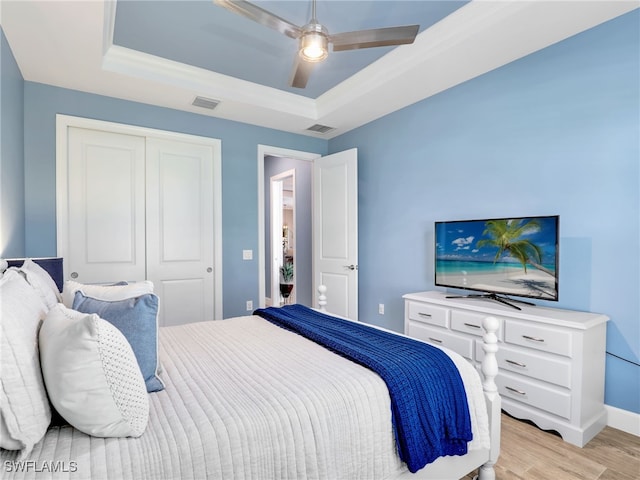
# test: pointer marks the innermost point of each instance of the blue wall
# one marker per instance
(239, 173)
(556, 132)
(11, 154)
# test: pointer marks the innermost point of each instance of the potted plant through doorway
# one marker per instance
(286, 285)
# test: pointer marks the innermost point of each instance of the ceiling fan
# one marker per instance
(314, 38)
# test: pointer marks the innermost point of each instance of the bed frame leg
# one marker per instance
(492, 398)
(486, 472)
(322, 298)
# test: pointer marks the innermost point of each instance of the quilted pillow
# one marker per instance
(91, 374)
(105, 292)
(137, 319)
(41, 282)
(24, 408)
(30, 266)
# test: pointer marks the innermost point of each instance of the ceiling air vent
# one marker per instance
(320, 128)
(204, 102)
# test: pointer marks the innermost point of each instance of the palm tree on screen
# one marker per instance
(507, 235)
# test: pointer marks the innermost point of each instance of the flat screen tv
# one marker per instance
(499, 256)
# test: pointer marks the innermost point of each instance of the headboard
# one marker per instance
(53, 266)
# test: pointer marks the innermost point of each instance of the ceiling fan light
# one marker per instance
(314, 47)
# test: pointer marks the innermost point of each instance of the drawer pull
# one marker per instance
(472, 325)
(422, 314)
(517, 364)
(533, 339)
(515, 390)
(435, 340)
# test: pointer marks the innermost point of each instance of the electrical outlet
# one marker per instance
(381, 308)
(249, 305)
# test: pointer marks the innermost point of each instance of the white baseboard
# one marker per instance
(623, 420)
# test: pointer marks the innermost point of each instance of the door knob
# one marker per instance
(351, 267)
(74, 275)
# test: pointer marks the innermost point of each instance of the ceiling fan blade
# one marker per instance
(300, 73)
(260, 15)
(377, 37)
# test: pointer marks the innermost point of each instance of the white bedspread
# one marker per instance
(245, 399)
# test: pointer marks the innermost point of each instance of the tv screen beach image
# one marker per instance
(516, 256)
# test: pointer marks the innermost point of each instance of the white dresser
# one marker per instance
(551, 361)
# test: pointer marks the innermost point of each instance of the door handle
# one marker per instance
(351, 267)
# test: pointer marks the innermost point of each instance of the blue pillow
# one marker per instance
(137, 319)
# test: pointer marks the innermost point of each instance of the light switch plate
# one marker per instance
(247, 254)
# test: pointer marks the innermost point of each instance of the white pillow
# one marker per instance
(6, 440)
(105, 292)
(35, 270)
(92, 375)
(24, 406)
(39, 283)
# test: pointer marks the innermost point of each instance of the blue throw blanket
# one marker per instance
(428, 400)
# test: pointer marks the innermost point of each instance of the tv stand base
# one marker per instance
(496, 298)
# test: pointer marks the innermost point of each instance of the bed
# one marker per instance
(244, 398)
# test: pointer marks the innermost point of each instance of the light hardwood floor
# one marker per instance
(529, 453)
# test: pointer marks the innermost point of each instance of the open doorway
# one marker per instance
(273, 161)
(283, 239)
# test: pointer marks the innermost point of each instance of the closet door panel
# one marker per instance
(180, 229)
(106, 206)
(180, 198)
(182, 301)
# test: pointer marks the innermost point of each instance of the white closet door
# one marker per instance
(180, 231)
(106, 206)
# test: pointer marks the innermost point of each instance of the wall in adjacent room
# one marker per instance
(556, 132)
(12, 235)
(239, 173)
(302, 211)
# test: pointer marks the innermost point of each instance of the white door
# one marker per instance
(335, 231)
(106, 207)
(138, 207)
(180, 232)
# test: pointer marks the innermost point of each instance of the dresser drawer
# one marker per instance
(430, 314)
(545, 397)
(538, 366)
(540, 337)
(469, 322)
(442, 338)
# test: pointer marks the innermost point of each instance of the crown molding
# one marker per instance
(212, 84)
